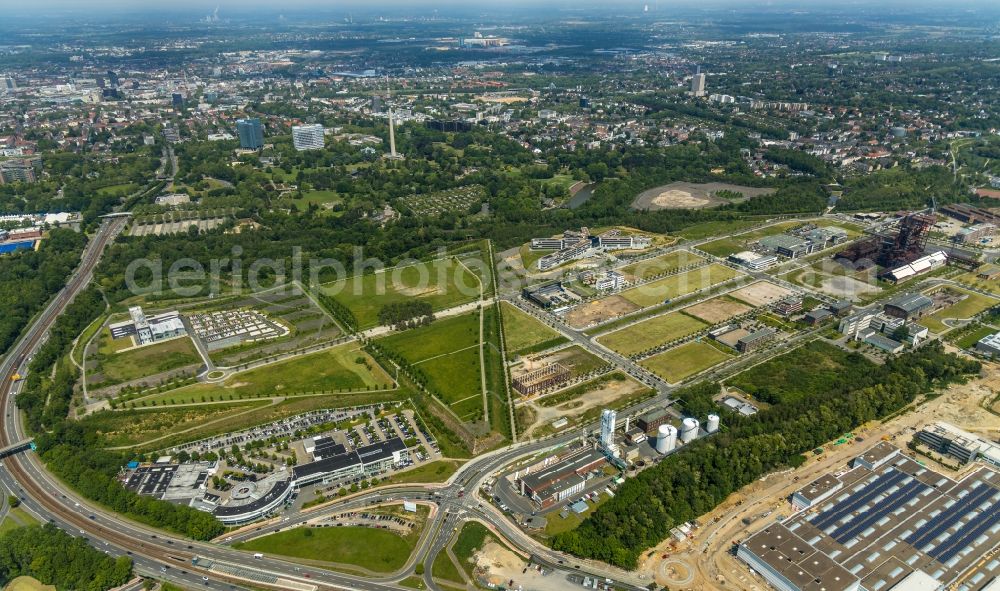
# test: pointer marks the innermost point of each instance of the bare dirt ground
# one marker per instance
(706, 553)
(846, 287)
(503, 566)
(682, 195)
(599, 310)
(717, 310)
(761, 293)
(603, 396)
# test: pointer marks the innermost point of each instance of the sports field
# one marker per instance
(523, 332)
(651, 333)
(446, 352)
(671, 287)
(661, 264)
(682, 362)
(443, 282)
(341, 368)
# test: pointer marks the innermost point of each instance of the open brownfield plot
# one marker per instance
(679, 363)
(684, 195)
(575, 358)
(599, 311)
(655, 266)
(718, 309)
(761, 293)
(668, 288)
(651, 333)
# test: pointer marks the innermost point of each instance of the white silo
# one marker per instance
(689, 430)
(713, 423)
(666, 439)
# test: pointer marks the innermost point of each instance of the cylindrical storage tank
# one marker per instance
(713, 423)
(689, 430)
(666, 439)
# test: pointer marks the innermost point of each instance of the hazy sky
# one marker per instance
(98, 9)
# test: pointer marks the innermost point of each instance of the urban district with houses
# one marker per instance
(385, 296)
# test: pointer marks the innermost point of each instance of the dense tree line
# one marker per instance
(398, 313)
(73, 451)
(28, 279)
(55, 558)
(799, 161)
(48, 389)
(694, 480)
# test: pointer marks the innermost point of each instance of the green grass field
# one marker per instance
(651, 333)
(377, 550)
(320, 197)
(717, 228)
(973, 304)
(134, 427)
(970, 337)
(678, 285)
(661, 264)
(443, 282)
(529, 257)
(676, 364)
(973, 280)
(329, 370)
(578, 360)
(148, 360)
(15, 518)
(123, 189)
(447, 353)
(724, 247)
(523, 332)
(438, 471)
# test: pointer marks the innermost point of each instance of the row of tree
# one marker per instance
(28, 278)
(75, 452)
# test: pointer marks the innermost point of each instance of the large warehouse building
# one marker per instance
(896, 527)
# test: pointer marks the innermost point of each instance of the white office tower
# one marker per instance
(698, 84)
(7, 84)
(307, 137)
(689, 430)
(608, 417)
(713, 424)
(666, 439)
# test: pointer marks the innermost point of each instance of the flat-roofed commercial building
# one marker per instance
(559, 481)
(910, 305)
(965, 447)
(899, 526)
(989, 345)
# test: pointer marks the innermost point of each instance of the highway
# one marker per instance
(168, 557)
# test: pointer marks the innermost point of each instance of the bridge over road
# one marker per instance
(18, 447)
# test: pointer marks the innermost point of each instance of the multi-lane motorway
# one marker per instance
(168, 557)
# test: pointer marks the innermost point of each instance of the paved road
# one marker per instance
(152, 551)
